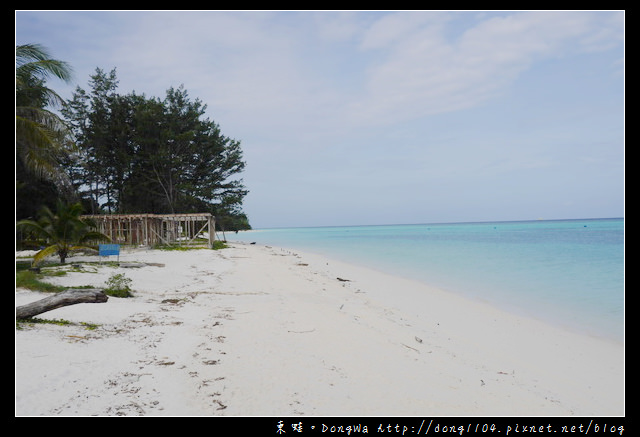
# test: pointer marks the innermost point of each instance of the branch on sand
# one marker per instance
(62, 299)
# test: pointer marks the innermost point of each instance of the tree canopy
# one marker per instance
(119, 153)
(138, 154)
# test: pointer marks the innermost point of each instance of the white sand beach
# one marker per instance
(260, 331)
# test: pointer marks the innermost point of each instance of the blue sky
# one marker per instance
(382, 117)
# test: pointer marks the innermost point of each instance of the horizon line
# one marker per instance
(436, 223)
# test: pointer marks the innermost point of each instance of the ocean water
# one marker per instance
(566, 272)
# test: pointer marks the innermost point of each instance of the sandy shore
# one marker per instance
(259, 331)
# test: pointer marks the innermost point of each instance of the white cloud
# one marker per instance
(422, 72)
(397, 28)
(266, 66)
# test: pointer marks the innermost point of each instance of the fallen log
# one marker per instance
(58, 300)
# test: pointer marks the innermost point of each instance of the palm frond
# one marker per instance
(44, 253)
(35, 60)
(42, 138)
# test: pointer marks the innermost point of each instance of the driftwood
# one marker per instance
(58, 300)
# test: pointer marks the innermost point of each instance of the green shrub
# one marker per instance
(118, 285)
(217, 245)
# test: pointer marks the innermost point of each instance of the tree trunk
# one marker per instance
(58, 300)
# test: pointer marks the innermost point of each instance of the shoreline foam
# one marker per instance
(260, 331)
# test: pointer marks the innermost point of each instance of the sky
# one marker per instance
(382, 117)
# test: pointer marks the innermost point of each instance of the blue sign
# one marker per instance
(109, 249)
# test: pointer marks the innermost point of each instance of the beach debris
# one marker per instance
(481, 382)
(64, 298)
(221, 405)
(135, 265)
(343, 280)
(172, 301)
(418, 339)
(130, 265)
(409, 347)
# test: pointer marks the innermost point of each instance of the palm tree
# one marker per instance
(63, 232)
(42, 137)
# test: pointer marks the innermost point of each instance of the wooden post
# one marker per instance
(212, 230)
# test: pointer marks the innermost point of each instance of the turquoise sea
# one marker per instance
(567, 272)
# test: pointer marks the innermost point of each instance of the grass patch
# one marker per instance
(32, 281)
(217, 245)
(59, 322)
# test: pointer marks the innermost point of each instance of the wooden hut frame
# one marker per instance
(153, 229)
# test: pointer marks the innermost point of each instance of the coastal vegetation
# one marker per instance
(59, 322)
(143, 154)
(31, 280)
(102, 152)
(43, 138)
(118, 285)
(60, 233)
(216, 245)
